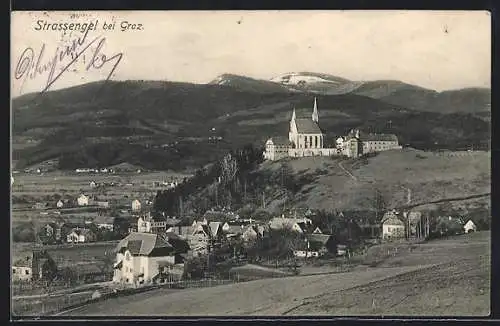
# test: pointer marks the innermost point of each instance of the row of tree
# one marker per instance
(221, 184)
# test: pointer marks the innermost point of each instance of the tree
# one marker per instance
(229, 167)
(379, 204)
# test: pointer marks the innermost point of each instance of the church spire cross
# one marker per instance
(315, 116)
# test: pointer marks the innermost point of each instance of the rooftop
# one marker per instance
(307, 126)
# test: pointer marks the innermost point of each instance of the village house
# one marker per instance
(300, 225)
(392, 226)
(34, 266)
(81, 235)
(253, 233)
(205, 235)
(40, 205)
(59, 204)
(50, 233)
(93, 184)
(159, 224)
(136, 205)
(104, 222)
(183, 231)
(82, 200)
(470, 227)
(316, 245)
(141, 258)
(234, 229)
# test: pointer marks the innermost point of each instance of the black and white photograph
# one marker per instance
(332, 163)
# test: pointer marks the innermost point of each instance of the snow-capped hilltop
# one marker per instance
(298, 78)
(316, 82)
(248, 84)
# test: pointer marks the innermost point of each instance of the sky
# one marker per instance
(437, 50)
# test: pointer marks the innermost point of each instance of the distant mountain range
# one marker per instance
(471, 100)
(169, 125)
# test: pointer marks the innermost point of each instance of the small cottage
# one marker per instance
(470, 227)
(392, 226)
(60, 204)
(34, 266)
(316, 245)
(80, 236)
(82, 200)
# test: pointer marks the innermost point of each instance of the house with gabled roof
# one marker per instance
(80, 235)
(142, 257)
(470, 227)
(35, 265)
(316, 245)
(392, 226)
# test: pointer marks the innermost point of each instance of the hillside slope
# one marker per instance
(332, 184)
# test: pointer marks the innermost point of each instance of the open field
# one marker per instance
(441, 278)
(31, 188)
(40, 185)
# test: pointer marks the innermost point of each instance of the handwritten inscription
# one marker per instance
(32, 65)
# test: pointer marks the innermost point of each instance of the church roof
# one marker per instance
(280, 140)
(307, 126)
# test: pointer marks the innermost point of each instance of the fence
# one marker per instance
(47, 305)
(51, 304)
(20, 287)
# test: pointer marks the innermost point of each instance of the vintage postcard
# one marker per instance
(250, 163)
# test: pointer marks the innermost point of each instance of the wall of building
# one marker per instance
(306, 152)
(393, 231)
(21, 273)
(378, 146)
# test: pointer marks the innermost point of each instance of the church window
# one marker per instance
(316, 142)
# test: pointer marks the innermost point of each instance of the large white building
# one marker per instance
(306, 138)
(141, 257)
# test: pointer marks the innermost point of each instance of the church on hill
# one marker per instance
(306, 138)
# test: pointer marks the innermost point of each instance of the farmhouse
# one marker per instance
(392, 226)
(158, 224)
(104, 222)
(306, 138)
(316, 245)
(204, 234)
(81, 235)
(470, 227)
(59, 204)
(141, 257)
(82, 200)
(254, 232)
(34, 266)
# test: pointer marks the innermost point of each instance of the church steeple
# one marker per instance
(293, 114)
(315, 116)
